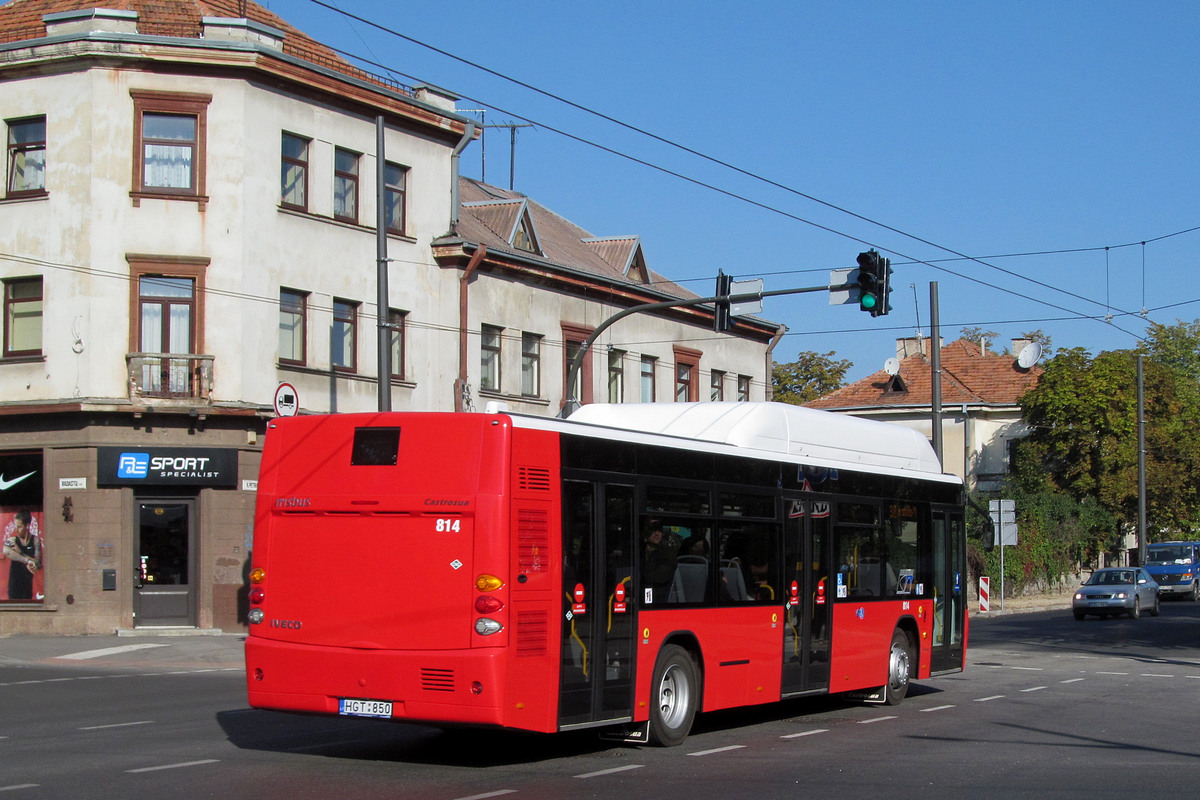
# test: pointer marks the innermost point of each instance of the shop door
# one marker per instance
(809, 603)
(598, 621)
(949, 589)
(164, 571)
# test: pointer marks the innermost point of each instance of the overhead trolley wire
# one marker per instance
(726, 192)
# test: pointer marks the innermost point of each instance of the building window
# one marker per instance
(616, 376)
(396, 335)
(169, 144)
(293, 192)
(293, 323)
(343, 347)
(717, 386)
(683, 383)
(524, 237)
(395, 184)
(489, 358)
(345, 185)
(166, 328)
(687, 373)
(743, 390)
(27, 157)
(581, 388)
(531, 365)
(22, 317)
(648, 364)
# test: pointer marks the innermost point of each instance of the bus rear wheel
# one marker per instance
(675, 696)
(900, 664)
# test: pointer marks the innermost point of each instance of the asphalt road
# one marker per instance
(1048, 706)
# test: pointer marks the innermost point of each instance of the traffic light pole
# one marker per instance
(577, 361)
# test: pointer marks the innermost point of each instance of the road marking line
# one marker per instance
(1073, 680)
(875, 719)
(176, 766)
(1034, 689)
(610, 771)
(106, 651)
(718, 750)
(117, 725)
(804, 733)
(985, 699)
(19, 786)
(1155, 675)
(1112, 673)
(1029, 669)
(936, 708)
(496, 793)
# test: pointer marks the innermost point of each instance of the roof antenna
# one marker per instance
(917, 306)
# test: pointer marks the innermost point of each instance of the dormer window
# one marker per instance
(523, 237)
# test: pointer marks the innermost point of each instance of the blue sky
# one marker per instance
(982, 129)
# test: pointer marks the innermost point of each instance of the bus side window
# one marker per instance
(749, 563)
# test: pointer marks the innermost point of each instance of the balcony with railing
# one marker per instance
(170, 378)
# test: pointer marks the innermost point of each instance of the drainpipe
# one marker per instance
(468, 135)
(461, 383)
(770, 361)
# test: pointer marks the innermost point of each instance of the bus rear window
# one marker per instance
(375, 447)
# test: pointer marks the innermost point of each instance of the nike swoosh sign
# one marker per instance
(9, 484)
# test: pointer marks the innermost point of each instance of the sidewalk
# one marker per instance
(210, 651)
(1049, 601)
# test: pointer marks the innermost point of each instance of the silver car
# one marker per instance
(1117, 590)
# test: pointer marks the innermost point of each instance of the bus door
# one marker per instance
(809, 596)
(598, 622)
(949, 589)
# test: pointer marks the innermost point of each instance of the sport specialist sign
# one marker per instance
(166, 466)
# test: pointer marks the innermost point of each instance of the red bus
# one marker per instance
(624, 569)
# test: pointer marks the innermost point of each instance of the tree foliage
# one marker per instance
(810, 376)
(1083, 415)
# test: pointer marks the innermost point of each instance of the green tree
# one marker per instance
(1083, 415)
(810, 376)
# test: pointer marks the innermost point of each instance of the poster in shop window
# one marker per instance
(22, 573)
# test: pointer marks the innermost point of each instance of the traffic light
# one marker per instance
(721, 321)
(874, 279)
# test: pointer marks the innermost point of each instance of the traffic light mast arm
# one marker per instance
(577, 360)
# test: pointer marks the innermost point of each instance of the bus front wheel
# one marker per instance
(675, 696)
(900, 664)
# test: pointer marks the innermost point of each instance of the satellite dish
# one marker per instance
(891, 366)
(1029, 355)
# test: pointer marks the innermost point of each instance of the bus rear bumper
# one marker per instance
(454, 688)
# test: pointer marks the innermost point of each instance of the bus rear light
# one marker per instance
(486, 626)
(488, 583)
(486, 604)
(476, 687)
(257, 595)
(258, 575)
(256, 616)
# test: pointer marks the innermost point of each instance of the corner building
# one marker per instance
(190, 247)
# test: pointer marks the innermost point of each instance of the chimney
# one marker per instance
(66, 23)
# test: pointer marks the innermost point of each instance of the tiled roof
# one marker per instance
(488, 215)
(22, 19)
(969, 375)
(617, 251)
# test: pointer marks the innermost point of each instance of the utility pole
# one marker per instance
(935, 370)
(1141, 445)
(383, 322)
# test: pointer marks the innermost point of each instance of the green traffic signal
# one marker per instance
(866, 302)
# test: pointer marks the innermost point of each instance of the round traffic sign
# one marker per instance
(287, 401)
